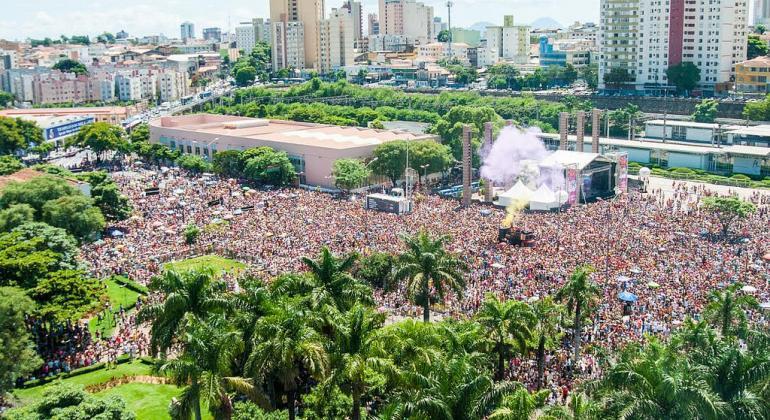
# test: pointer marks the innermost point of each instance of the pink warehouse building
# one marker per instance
(312, 148)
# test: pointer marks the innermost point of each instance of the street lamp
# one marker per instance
(425, 171)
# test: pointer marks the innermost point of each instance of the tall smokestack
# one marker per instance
(563, 129)
(596, 115)
(580, 126)
(467, 165)
(489, 187)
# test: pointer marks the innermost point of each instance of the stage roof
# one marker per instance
(567, 157)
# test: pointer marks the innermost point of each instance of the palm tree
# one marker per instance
(412, 343)
(250, 305)
(727, 308)
(546, 331)
(192, 294)
(508, 324)
(358, 355)
(429, 270)
(653, 382)
(285, 346)
(520, 404)
(204, 370)
(737, 376)
(579, 293)
(579, 407)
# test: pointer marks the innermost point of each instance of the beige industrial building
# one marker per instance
(312, 148)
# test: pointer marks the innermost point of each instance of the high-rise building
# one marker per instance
(249, 33)
(761, 12)
(374, 24)
(407, 17)
(336, 41)
(288, 45)
(188, 31)
(438, 26)
(212, 34)
(646, 37)
(309, 14)
(508, 42)
(353, 8)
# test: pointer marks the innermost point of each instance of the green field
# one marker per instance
(118, 295)
(147, 401)
(219, 264)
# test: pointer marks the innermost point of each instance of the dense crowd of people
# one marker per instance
(658, 246)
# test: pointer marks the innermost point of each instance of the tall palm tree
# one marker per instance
(653, 382)
(520, 404)
(359, 359)
(579, 293)
(250, 304)
(286, 346)
(508, 325)
(546, 331)
(412, 343)
(187, 295)
(579, 407)
(204, 370)
(429, 270)
(727, 310)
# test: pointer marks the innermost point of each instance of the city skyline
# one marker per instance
(50, 18)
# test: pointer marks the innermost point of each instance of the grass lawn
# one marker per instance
(29, 395)
(219, 264)
(118, 295)
(147, 401)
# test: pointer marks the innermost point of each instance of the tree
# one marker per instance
(17, 354)
(444, 36)
(569, 74)
(36, 192)
(70, 66)
(6, 98)
(580, 294)
(727, 310)
(101, 137)
(287, 347)
(16, 215)
(268, 166)
(55, 239)
(140, 134)
(106, 38)
(229, 163)
(545, 332)
(429, 157)
(376, 269)
(189, 295)
(757, 110)
(706, 111)
(191, 233)
(245, 76)
(11, 138)
(727, 210)
(193, 163)
(66, 401)
(756, 47)
(113, 204)
(617, 77)
(684, 76)
(508, 325)
(74, 213)
(590, 74)
(390, 160)
(350, 173)
(760, 29)
(10, 164)
(429, 270)
(66, 295)
(520, 404)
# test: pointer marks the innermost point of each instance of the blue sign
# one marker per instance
(66, 129)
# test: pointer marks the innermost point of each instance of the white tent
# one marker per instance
(543, 199)
(518, 192)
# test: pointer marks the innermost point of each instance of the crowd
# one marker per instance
(658, 246)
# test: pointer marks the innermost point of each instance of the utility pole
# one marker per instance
(449, 5)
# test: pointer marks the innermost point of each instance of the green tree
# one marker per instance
(580, 294)
(106, 38)
(11, 138)
(268, 166)
(706, 111)
(36, 192)
(444, 36)
(429, 157)
(140, 134)
(684, 76)
(520, 404)
(508, 325)
(228, 163)
(245, 76)
(756, 46)
(101, 137)
(760, 29)
(727, 310)
(191, 233)
(66, 295)
(10, 164)
(617, 77)
(728, 210)
(390, 160)
(70, 66)
(113, 204)
(74, 213)
(6, 98)
(377, 270)
(590, 74)
(350, 173)
(64, 401)
(189, 296)
(55, 239)
(17, 354)
(429, 270)
(194, 164)
(15, 215)
(545, 332)
(569, 74)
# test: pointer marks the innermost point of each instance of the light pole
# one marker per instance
(425, 171)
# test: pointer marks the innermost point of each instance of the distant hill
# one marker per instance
(545, 23)
(481, 26)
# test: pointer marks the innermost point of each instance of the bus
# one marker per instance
(187, 99)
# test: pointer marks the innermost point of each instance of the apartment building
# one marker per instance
(437, 51)
(752, 76)
(288, 45)
(58, 87)
(407, 17)
(249, 33)
(292, 18)
(187, 31)
(646, 37)
(509, 43)
(374, 24)
(336, 39)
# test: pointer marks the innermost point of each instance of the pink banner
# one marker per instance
(572, 187)
(623, 172)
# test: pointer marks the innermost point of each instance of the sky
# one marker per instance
(21, 19)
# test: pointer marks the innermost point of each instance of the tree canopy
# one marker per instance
(350, 173)
(68, 65)
(685, 76)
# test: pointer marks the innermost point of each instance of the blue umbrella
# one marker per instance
(627, 297)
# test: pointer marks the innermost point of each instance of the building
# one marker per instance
(761, 12)
(471, 37)
(353, 8)
(312, 148)
(752, 76)
(439, 26)
(57, 87)
(336, 40)
(108, 114)
(645, 37)
(187, 31)
(57, 128)
(508, 43)
(576, 52)
(588, 31)
(129, 87)
(121, 35)
(407, 17)
(437, 51)
(395, 43)
(212, 34)
(288, 45)
(374, 24)
(284, 16)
